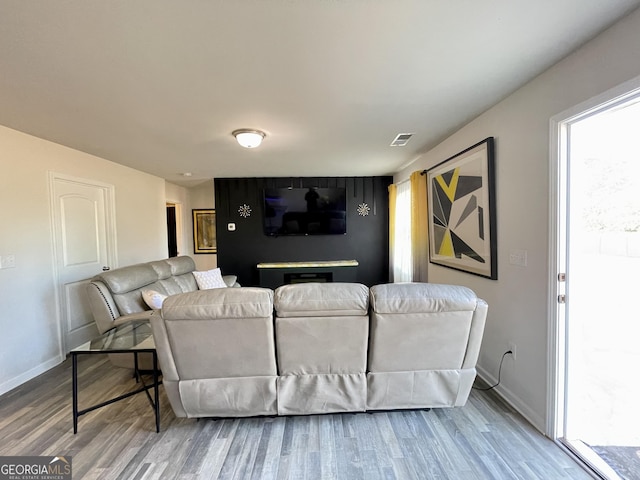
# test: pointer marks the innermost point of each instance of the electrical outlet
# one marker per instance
(512, 347)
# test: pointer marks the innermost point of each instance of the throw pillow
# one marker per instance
(209, 279)
(153, 299)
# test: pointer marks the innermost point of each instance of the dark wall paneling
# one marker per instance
(366, 240)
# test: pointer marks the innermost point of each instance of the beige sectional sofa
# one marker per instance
(333, 347)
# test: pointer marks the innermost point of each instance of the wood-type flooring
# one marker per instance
(483, 440)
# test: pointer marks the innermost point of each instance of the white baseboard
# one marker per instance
(513, 400)
(34, 372)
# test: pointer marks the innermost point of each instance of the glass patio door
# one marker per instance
(601, 324)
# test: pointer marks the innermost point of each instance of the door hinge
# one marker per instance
(562, 298)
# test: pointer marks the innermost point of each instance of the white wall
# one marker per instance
(28, 314)
(518, 299)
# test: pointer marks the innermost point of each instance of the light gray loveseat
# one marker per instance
(333, 347)
(115, 296)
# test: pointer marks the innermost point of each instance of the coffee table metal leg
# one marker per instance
(156, 387)
(145, 388)
(74, 363)
(136, 370)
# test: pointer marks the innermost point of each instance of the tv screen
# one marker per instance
(305, 211)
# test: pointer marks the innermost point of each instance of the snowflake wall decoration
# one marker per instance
(363, 209)
(244, 210)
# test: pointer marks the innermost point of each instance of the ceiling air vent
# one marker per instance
(401, 139)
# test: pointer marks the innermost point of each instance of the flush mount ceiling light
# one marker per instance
(248, 138)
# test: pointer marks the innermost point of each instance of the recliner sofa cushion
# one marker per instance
(229, 397)
(181, 265)
(307, 345)
(424, 341)
(419, 389)
(127, 279)
(419, 326)
(321, 337)
(230, 327)
(181, 279)
(421, 298)
(217, 352)
(423, 346)
(162, 268)
(242, 302)
(321, 393)
(321, 299)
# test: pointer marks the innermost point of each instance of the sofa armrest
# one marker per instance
(170, 377)
(163, 348)
(102, 306)
(105, 312)
(133, 317)
(475, 335)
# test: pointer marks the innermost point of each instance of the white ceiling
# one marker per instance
(159, 85)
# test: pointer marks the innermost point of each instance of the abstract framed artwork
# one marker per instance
(204, 231)
(462, 223)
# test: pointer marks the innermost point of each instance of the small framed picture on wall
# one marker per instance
(204, 231)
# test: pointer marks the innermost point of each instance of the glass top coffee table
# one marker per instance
(134, 338)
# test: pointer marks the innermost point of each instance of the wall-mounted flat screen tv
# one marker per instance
(305, 211)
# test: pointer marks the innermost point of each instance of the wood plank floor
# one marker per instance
(483, 440)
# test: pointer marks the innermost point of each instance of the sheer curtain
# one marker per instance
(401, 253)
(419, 227)
(392, 226)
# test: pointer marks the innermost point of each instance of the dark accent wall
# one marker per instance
(366, 240)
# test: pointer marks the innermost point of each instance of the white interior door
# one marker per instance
(84, 238)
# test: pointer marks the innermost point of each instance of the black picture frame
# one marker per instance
(462, 215)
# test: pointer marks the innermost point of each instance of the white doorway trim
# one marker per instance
(556, 340)
(111, 242)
